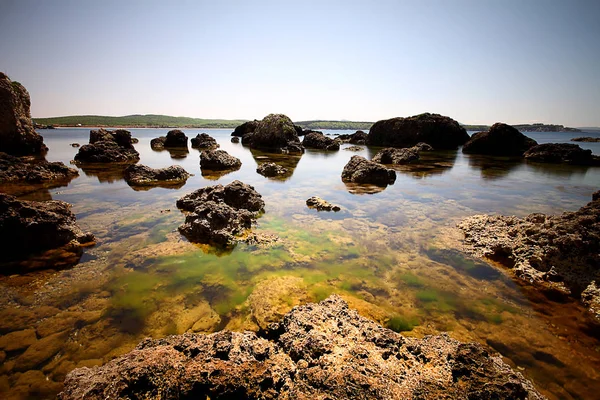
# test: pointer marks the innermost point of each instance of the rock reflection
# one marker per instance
(493, 167)
(559, 170)
(175, 153)
(429, 164)
(105, 173)
(363, 188)
(287, 161)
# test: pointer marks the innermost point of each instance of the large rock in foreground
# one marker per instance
(276, 132)
(142, 175)
(17, 134)
(108, 147)
(21, 170)
(361, 170)
(204, 141)
(434, 129)
(561, 153)
(317, 351)
(218, 160)
(316, 140)
(500, 140)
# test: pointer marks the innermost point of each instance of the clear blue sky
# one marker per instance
(478, 61)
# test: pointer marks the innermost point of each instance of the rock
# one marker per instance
(174, 139)
(422, 147)
(587, 139)
(438, 131)
(320, 350)
(236, 194)
(245, 128)
(316, 140)
(31, 227)
(16, 169)
(218, 160)
(563, 153)
(275, 132)
(135, 140)
(558, 254)
(74, 144)
(204, 141)
(141, 175)
(596, 195)
(361, 170)
(321, 205)
(40, 351)
(17, 135)
(392, 155)
(158, 143)
(235, 139)
(354, 148)
(500, 140)
(18, 340)
(359, 137)
(108, 147)
(270, 169)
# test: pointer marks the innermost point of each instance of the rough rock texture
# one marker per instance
(218, 160)
(354, 148)
(275, 132)
(108, 147)
(204, 141)
(558, 253)
(500, 140)
(438, 131)
(316, 140)
(142, 175)
(565, 153)
(17, 135)
(321, 205)
(588, 139)
(317, 351)
(361, 170)
(359, 137)
(15, 169)
(270, 169)
(174, 139)
(236, 194)
(30, 227)
(391, 155)
(245, 128)
(235, 139)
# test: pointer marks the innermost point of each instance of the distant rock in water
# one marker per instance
(20, 170)
(361, 170)
(316, 140)
(235, 139)
(321, 205)
(270, 169)
(500, 140)
(276, 133)
(438, 131)
(587, 139)
(316, 351)
(17, 134)
(108, 147)
(74, 144)
(354, 148)
(359, 137)
(561, 153)
(245, 128)
(174, 139)
(141, 175)
(392, 155)
(218, 160)
(204, 141)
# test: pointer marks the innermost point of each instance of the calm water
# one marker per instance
(394, 254)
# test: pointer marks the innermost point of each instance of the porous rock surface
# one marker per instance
(270, 169)
(17, 134)
(108, 147)
(174, 139)
(218, 160)
(321, 205)
(16, 170)
(358, 137)
(392, 155)
(317, 140)
(561, 153)
(245, 128)
(143, 175)
(275, 132)
(438, 131)
(500, 140)
(317, 351)
(556, 253)
(361, 170)
(204, 141)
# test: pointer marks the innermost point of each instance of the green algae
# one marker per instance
(399, 323)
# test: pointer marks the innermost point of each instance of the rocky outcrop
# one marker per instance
(321, 205)
(108, 147)
(392, 155)
(275, 132)
(561, 153)
(30, 227)
(438, 131)
(558, 253)
(245, 128)
(204, 141)
(235, 139)
(500, 140)
(23, 170)
(358, 137)
(236, 194)
(354, 148)
(270, 170)
(361, 170)
(323, 350)
(17, 135)
(587, 139)
(174, 139)
(316, 140)
(142, 175)
(218, 160)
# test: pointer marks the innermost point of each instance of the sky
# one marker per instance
(477, 61)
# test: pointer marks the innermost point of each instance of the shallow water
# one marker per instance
(394, 254)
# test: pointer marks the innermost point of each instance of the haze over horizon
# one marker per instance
(478, 62)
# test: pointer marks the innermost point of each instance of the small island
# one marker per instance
(586, 139)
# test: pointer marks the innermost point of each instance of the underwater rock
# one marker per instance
(204, 141)
(438, 131)
(108, 147)
(316, 140)
(17, 169)
(270, 169)
(556, 253)
(275, 132)
(358, 137)
(561, 153)
(323, 350)
(218, 160)
(273, 297)
(321, 205)
(500, 140)
(391, 155)
(361, 170)
(141, 175)
(245, 128)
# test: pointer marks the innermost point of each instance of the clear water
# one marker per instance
(394, 254)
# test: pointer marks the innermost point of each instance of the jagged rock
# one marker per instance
(392, 155)
(321, 205)
(438, 131)
(557, 253)
(245, 128)
(361, 170)
(275, 132)
(236, 194)
(174, 139)
(422, 147)
(31, 227)
(562, 153)
(270, 169)
(108, 147)
(141, 175)
(218, 160)
(587, 139)
(316, 140)
(17, 135)
(235, 139)
(15, 169)
(359, 137)
(320, 350)
(500, 140)
(204, 141)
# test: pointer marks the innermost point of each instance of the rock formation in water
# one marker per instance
(17, 135)
(500, 140)
(316, 140)
(361, 170)
(108, 147)
(438, 131)
(317, 351)
(561, 153)
(392, 155)
(587, 139)
(245, 128)
(321, 205)
(218, 160)
(204, 141)
(275, 132)
(270, 170)
(235, 139)
(23, 170)
(558, 253)
(174, 139)
(359, 137)
(142, 175)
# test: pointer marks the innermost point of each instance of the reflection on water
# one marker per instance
(394, 255)
(176, 153)
(105, 173)
(287, 161)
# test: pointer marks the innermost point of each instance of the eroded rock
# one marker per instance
(142, 175)
(358, 137)
(174, 139)
(392, 155)
(561, 153)
(316, 140)
(270, 169)
(108, 147)
(361, 170)
(321, 205)
(33, 171)
(245, 128)
(275, 132)
(204, 141)
(218, 160)
(500, 140)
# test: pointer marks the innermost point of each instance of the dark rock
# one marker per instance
(422, 147)
(596, 195)
(321, 205)
(275, 132)
(438, 131)
(135, 140)
(359, 137)
(108, 147)
(561, 153)
(236, 194)
(204, 141)
(587, 139)
(218, 160)
(158, 143)
(17, 135)
(500, 140)
(17, 170)
(324, 351)
(74, 144)
(270, 169)
(316, 140)
(361, 170)
(392, 155)
(245, 128)
(141, 175)
(235, 139)
(176, 138)
(354, 148)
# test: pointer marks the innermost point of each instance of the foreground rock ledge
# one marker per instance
(319, 351)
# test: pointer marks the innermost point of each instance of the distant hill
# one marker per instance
(139, 121)
(321, 124)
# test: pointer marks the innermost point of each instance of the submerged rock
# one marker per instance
(275, 132)
(323, 350)
(16, 170)
(108, 147)
(561, 153)
(438, 131)
(17, 134)
(359, 137)
(500, 140)
(245, 128)
(174, 139)
(141, 175)
(218, 160)
(392, 155)
(361, 170)
(316, 140)
(204, 141)
(270, 169)
(321, 205)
